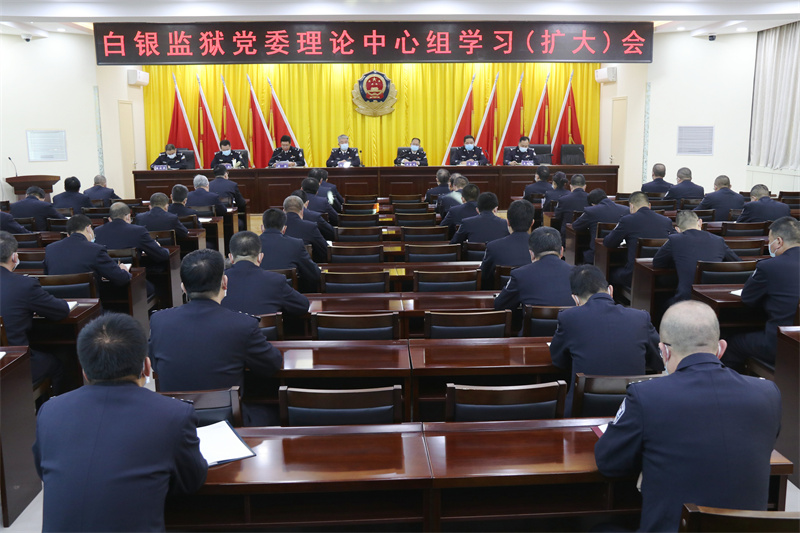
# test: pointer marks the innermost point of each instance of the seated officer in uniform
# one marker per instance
(543, 282)
(761, 208)
(119, 233)
(600, 209)
(413, 153)
(282, 251)
(541, 183)
(324, 228)
(226, 156)
(320, 204)
(344, 153)
(78, 253)
(7, 223)
(20, 297)
(576, 200)
(201, 345)
(442, 178)
(71, 197)
(304, 229)
(484, 227)
(201, 196)
(601, 337)
(559, 189)
(326, 187)
(658, 184)
(468, 152)
(684, 188)
(159, 219)
(523, 152)
(703, 435)
(170, 158)
(684, 249)
(289, 153)
(722, 200)
(512, 250)
(178, 206)
(254, 290)
(34, 206)
(110, 452)
(223, 187)
(469, 208)
(775, 288)
(101, 191)
(455, 197)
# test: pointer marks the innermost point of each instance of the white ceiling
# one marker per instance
(699, 18)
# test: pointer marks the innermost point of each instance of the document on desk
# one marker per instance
(737, 292)
(2, 354)
(219, 443)
(203, 220)
(72, 304)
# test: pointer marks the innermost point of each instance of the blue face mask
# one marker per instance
(414, 148)
(769, 247)
(344, 146)
(226, 152)
(171, 156)
(469, 146)
(523, 149)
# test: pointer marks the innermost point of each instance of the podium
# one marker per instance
(21, 184)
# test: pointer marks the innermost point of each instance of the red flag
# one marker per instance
(180, 131)
(487, 133)
(261, 141)
(513, 129)
(463, 123)
(231, 130)
(567, 130)
(207, 132)
(280, 124)
(540, 129)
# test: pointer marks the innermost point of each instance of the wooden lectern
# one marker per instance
(21, 184)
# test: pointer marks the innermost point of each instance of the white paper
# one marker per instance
(72, 304)
(737, 292)
(203, 220)
(602, 428)
(219, 443)
(548, 344)
(2, 354)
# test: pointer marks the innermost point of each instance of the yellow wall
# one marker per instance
(318, 102)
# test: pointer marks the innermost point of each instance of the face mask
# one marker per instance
(16, 264)
(344, 147)
(226, 152)
(769, 247)
(171, 156)
(414, 148)
(523, 149)
(469, 146)
(93, 238)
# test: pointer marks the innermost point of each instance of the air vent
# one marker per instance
(695, 140)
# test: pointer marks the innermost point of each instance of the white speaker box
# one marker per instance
(138, 78)
(605, 75)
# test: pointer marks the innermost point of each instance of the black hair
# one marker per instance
(442, 176)
(470, 192)
(544, 239)
(586, 280)
(524, 138)
(179, 193)
(638, 198)
(201, 273)
(245, 244)
(273, 219)
(787, 228)
(225, 142)
(415, 139)
(520, 215)
(560, 180)
(310, 185)
(300, 193)
(578, 180)
(8, 245)
(286, 139)
(596, 196)
(468, 137)
(78, 223)
(220, 170)
(487, 201)
(543, 172)
(72, 184)
(34, 190)
(159, 199)
(659, 170)
(111, 347)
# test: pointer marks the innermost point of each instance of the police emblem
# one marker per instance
(374, 94)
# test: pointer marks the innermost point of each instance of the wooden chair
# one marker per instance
(689, 203)
(604, 228)
(359, 209)
(626, 203)
(789, 194)
(213, 406)
(66, 211)
(457, 281)
(82, 285)
(190, 221)
(627, 196)
(408, 207)
(358, 221)
(29, 223)
(417, 253)
(745, 248)
(424, 233)
(164, 237)
(355, 254)
(695, 518)
(468, 325)
(405, 198)
(31, 260)
(271, 326)
(602, 395)
(540, 321)
(648, 247)
(96, 212)
(365, 234)
(129, 256)
(733, 214)
(204, 211)
(314, 407)
(370, 327)
(706, 215)
(715, 273)
(745, 229)
(354, 282)
(130, 202)
(98, 203)
(57, 224)
(28, 240)
(667, 205)
(291, 275)
(138, 210)
(471, 403)
(361, 199)
(473, 251)
(416, 219)
(502, 273)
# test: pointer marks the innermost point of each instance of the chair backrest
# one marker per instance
(29, 223)
(361, 199)
(712, 272)
(648, 247)
(746, 247)
(540, 321)
(244, 157)
(225, 200)
(355, 254)
(602, 395)
(358, 209)
(415, 219)
(424, 233)
(662, 204)
(733, 214)
(98, 203)
(66, 211)
(502, 273)
(57, 224)
(96, 212)
(31, 260)
(128, 256)
(468, 325)
(204, 210)
(604, 228)
(164, 237)
(745, 229)
(706, 215)
(355, 282)
(130, 202)
(417, 253)
(138, 210)
(463, 280)
(369, 327)
(189, 155)
(81, 285)
(401, 149)
(653, 195)
(788, 194)
(405, 198)
(3, 334)
(627, 196)
(28, 240)
(408, 207)
(572, 154)
(271, 326)
(358, 221)
(473, 251)
(470, 403)
(543, 153)
(314, 407)
(696, 518)
(366, 234)
(190, 221)
(213, 406)
(290, 273)
(689, 203)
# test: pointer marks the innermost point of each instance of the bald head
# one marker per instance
(689, 327)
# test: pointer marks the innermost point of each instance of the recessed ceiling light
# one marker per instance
(681, 28)
(741, 29)
(61, 29)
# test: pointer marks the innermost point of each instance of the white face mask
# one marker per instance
(226, 152)
(469, 146)
(171, 156)
(344, 147)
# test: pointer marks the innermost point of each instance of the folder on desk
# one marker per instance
(219, 443)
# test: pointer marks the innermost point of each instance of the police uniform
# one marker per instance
(177, 162)
(519, 156)
(351, 154)
(462, 154)
(293, 155)
(232, 159)
(410, 155)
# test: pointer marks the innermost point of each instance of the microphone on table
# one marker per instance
(16, 174)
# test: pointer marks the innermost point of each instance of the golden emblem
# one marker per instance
(374, 94)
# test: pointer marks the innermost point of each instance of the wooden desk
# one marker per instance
(19, 482)
(196, 240)
(511, 361)
(230, 223)
(215, 232)
(401, 274)
(416, 303)
(168, 282)
(652, 287)
(730, 309)
(355, 303)
(130, 299)
(576, 243)
(787, 378)
(314, 477)
(607, 259)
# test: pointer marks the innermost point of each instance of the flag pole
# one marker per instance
(188, 124)
(260, 112)
(458, 121)
(283, 115)
(508, 121)
(208, 112)
(486, 112)
(539, 107)
(229, 103)
(561, 114)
